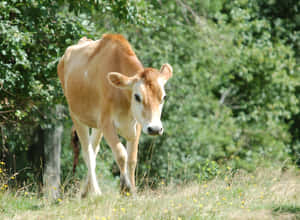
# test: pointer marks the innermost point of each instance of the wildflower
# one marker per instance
(195, 200)
(207, 193)
(243, 202)
(1, 170)
(5, 186)
(12, 177)
(179, 218)
(228, 188)
(162, 182)
(228, 168)
(200, 206)
(218, 203)
(252, 177)
(103, 218)
(226, 178)
(59, 200)
(166, 210)
(261, 195)
(205, 186)
(97, 217)
(2, 163)
(30, 197)
(224, 198)
(242, 206)
(123, 210)
(26, 193)
(127, 194)
(114, 210)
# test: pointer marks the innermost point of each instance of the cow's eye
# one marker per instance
(137, 98)
(164, 98)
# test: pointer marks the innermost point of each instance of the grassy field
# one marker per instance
(268, 193)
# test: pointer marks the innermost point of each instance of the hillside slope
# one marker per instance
(268, 193)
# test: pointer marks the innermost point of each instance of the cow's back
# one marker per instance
(83, 73)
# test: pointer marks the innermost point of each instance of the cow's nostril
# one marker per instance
(150, 130)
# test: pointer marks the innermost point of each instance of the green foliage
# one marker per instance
(210, 169)
(233, 91)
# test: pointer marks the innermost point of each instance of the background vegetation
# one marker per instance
(233, 100)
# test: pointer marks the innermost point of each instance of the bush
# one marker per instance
(232, 92)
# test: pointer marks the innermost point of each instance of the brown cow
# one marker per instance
(108, 90)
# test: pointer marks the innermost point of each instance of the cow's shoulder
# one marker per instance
(121, 41)
(112, 41)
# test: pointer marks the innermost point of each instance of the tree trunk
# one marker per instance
(52, 148)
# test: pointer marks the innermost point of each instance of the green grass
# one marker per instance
(268, 193)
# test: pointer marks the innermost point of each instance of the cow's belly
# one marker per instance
(87, 117)
(84, 103)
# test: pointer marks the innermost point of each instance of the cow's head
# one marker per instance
(147, 97)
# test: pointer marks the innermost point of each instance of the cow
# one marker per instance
(108, 90)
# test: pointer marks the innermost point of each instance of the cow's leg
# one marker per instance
(89, 158)
(132, 150)
(119, 152)
(96, 138)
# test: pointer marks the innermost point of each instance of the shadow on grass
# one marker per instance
(287, 209)
(35, 207)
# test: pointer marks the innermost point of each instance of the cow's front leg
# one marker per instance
(120, 154)
(89, 157)
(132, 150)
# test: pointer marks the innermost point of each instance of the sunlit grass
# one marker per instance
(267, 193)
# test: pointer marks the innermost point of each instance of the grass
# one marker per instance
(268, 193)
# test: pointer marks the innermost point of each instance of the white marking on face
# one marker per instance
(137, 106)
(150, 121)
(155, 122)
(86, 73)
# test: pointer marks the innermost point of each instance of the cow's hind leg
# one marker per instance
(89, 157)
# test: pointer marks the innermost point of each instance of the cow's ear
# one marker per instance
(120, 81)
(166, 72)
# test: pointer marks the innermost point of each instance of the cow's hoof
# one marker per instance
(91, 192)
(125, 185)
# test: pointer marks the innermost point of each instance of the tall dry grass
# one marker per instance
(268, 193)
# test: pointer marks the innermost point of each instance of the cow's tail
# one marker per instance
(76, 147)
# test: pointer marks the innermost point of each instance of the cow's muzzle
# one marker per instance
(155, 130)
